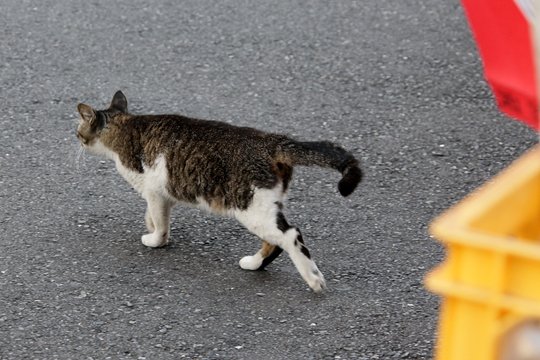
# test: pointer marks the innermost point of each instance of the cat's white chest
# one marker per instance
(134, 178)
(153, 179)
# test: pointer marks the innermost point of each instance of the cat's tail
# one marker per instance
(325, 154)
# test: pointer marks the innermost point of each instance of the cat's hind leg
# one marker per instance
(292, 242)
(157, 220)
(262, 258)
(265, 219)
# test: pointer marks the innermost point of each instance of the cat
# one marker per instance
(234, 171)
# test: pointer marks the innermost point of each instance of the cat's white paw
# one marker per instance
(251, 262)
(316, 281)
(154, 240)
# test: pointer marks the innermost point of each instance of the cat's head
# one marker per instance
(93, 121)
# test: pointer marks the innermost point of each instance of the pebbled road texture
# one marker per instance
(398, 83)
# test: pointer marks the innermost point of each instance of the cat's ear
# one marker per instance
(87, 113)
(119, 102)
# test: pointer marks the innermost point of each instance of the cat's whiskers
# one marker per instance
(80, 154)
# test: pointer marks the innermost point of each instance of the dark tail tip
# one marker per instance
(351, 177)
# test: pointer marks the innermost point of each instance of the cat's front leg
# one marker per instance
(148, 221)
(157, 220)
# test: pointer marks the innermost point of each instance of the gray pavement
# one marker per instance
(399, 83)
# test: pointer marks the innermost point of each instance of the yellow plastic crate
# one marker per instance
(490, 280)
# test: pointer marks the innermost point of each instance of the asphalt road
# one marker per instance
(399, 83)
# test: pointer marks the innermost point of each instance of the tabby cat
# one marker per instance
(234, 171)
